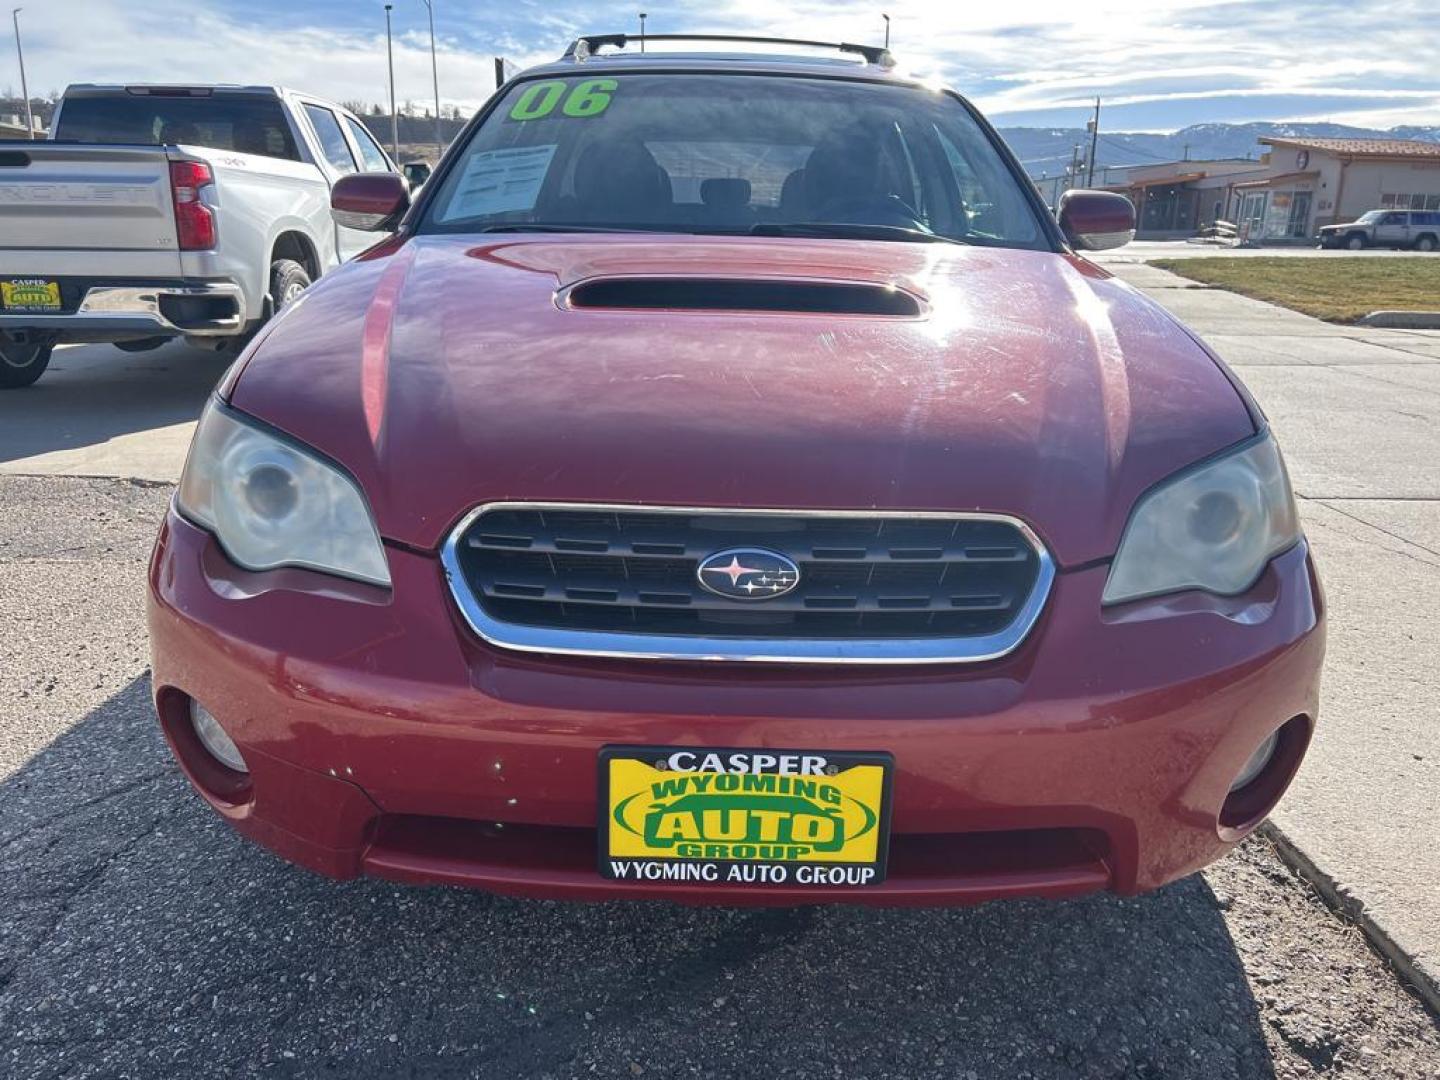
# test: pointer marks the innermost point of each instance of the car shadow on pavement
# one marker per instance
(92, 394)
(140, 937)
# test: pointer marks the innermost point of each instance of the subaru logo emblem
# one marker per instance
(748, 574)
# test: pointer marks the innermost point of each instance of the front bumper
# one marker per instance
(384, 738)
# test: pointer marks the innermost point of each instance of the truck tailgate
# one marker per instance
(77, 208)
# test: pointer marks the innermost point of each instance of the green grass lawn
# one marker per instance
(1337, 289)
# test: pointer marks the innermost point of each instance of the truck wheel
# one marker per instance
(21, 365)
(288, 279)
(1355, 241)
(1425, 243)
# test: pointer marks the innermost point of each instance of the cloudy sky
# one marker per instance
(1158, 64)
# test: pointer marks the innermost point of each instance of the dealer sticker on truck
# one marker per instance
(29, 294)
(705, 816)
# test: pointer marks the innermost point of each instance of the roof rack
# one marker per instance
(582, 48)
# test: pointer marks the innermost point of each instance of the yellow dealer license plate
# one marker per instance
(702, 816)
(29, 294)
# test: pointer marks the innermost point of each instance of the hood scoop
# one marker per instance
(806, 297)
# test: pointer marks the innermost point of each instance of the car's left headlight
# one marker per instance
(272, 502)
(1212, 527)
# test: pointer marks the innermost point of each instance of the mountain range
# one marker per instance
(1047, 151)
(1044, 152)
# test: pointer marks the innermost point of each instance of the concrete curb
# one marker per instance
(1413, 971)
(1402, 320)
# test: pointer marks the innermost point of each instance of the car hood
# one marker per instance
(446, 372)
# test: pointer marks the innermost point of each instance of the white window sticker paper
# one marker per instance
(495, 181)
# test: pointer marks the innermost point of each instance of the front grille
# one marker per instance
(577, 578)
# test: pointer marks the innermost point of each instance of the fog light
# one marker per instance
(212, 736)
(1257, 762)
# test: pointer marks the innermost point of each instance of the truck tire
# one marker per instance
(1425, 243)
(1355, 241)
(288, 279)
(21, 365)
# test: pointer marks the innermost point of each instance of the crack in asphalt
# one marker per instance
(73, 892)
(44, 823)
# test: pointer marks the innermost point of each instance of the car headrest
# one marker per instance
(173, 132)
(725, 193)
(841, 167)
(250, 139)
(792, 196)
(620, 180)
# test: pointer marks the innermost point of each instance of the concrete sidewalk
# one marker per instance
(1357, 412)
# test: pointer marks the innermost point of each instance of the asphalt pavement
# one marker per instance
(140, 938)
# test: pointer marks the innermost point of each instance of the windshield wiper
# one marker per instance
(850, 230)
(533, 226)
(824, 229)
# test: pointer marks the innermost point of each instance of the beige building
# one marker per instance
(1306, 183)
(1174, 199)
(13, 127)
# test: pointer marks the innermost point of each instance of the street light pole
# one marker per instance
(1094, 135)
(887, 31)
(24, 89)
(394, 117)
(435, 77)
(642, 31)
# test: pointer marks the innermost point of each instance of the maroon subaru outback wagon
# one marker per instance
(730, 484)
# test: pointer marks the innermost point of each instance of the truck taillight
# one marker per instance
(194, 221)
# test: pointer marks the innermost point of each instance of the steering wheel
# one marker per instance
(872, 210)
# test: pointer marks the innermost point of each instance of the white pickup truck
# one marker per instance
(156, 212)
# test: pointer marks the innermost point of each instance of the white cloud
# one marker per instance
(1264, 59)
(162, 42)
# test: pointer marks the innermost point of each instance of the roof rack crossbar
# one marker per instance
(582, 48)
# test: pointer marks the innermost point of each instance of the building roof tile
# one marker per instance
(1361, 147)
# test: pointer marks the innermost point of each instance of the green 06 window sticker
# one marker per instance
(588, 98)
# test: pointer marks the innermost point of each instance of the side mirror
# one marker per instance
(1096, 220)
(372, 202)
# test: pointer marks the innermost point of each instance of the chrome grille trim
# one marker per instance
(688, 647)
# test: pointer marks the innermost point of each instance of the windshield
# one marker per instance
(735, 154)
(1369, 217)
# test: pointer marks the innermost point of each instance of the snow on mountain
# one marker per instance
(1047, 151)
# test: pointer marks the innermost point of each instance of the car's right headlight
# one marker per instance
(272, 502)
(1212, 527)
